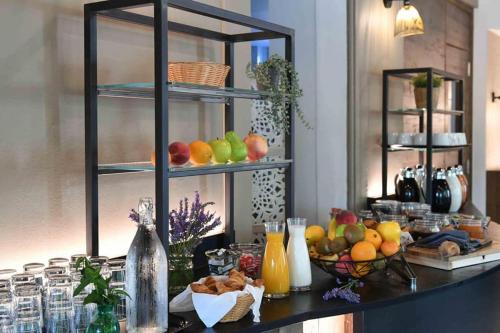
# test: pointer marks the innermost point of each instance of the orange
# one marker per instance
(389, 248)
(201, 152)
(153, 158)
(373, 237)
(363, 251)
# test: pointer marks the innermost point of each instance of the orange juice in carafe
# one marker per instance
(275, 265)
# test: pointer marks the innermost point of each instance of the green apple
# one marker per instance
(339, 232)
(221, 149)
(238, 147)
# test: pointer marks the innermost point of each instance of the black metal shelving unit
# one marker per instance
(424, 115)
(162, 91)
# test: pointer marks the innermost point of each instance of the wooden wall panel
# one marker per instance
(459, 26)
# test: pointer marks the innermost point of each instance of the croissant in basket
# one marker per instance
(235, 281)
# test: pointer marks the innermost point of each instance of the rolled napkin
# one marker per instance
(457, 236)
(212, 308)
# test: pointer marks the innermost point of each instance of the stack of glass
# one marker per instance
(41, 298)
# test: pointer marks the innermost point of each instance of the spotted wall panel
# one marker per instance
(268, 186)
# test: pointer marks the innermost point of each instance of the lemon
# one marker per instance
(313, 234)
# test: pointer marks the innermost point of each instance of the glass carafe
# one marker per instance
(298, 255)
(146, 277)
(275, 264)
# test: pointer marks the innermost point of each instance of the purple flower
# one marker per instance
(345, 292)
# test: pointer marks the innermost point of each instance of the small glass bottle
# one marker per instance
(147, 277)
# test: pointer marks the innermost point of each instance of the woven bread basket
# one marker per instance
(239, 310)
(203, 73)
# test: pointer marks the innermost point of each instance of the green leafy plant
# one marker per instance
(279, 79)
(102, 294)
(420, 81)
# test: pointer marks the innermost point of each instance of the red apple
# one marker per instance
(179, 153)
(335, 211)
(344, 267)
(346, 217)
(257, 146)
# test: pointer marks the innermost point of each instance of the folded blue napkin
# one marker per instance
(458, 236)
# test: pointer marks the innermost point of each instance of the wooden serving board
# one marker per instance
(432, 258)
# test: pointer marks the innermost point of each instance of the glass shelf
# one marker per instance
(193, 170)
(179, 91)
(437, 149)
(420, 112)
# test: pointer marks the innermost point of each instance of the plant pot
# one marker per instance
(421, 97)
(104, 321)
(180, 269)
(274, 77)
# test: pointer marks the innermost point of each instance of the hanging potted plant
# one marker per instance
(420, 90)
(103, 295)
(278, 78)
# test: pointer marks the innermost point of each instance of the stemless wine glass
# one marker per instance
(121, 307)
(60, 305)
(275, 265)
(83, 312)
(117, 269)
(6, 312)
(60, 262)
(28, 308)
(36, 269)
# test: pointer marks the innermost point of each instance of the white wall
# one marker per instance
(486, 17)
(321, 60)
(493, 109)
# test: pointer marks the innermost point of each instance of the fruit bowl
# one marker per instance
(353, 269)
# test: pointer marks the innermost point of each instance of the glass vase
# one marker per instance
(105, 321)
(146, 277)
(180, 269)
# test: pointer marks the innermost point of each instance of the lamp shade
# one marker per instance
(408, 22)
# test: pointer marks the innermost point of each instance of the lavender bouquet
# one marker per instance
(345, 291)
(187, 225)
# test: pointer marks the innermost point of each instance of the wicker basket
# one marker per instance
(240, 309)
(203, 73)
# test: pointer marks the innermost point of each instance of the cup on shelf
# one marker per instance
(420, 139)
(392, 138)
(441, 139)
(405, 139)
(462, 138)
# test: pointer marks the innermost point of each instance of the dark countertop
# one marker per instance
(379, 291)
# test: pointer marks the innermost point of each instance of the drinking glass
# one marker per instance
(6, 312)
(121, 307)
(60, 304)
(60, 262)
(298, 255)
(22, 278)
(28, 308)
(117, 269)
(275, 264)
(103, 263)
(6, 277)
(5, 285)
(36, 269)
(74, 258)
(83, 312)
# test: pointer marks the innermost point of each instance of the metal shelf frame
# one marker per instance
(429, 149)
(116, 10)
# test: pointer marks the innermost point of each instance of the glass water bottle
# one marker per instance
(146, 277)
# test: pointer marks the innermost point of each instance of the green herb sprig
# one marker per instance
(102, 294)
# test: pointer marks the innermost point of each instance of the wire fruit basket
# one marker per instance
(354, 269)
